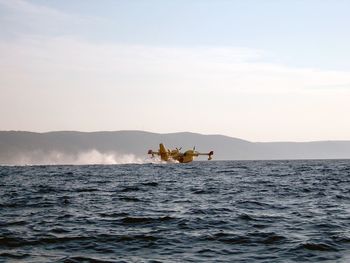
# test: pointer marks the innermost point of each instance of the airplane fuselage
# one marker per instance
(176, 155)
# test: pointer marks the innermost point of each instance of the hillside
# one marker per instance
(20, 147)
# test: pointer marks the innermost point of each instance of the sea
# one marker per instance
(204, 211)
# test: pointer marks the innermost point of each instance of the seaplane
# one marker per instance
(176, 155)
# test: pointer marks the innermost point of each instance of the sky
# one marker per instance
(258, 70)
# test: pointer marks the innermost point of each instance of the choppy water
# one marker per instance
(232, 211)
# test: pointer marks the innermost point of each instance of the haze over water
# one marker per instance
(221, 211)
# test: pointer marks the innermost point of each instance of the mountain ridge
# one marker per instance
(18, 146)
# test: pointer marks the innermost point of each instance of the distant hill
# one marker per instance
(20, 147)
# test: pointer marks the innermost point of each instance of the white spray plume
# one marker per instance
(96, 157)
(88, 157)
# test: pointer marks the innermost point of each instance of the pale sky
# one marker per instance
(256, 70)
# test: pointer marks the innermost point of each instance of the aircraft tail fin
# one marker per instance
(163, 152)
(162, 148)
(210, 154)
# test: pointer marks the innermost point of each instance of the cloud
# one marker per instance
(47, 50)
(48, 71)
(20, 7)
(25, 18)
(227, 68)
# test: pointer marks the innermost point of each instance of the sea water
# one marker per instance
(217, 211)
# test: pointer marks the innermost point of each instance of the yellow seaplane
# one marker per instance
(175, 155)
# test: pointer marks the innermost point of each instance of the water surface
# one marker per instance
(221, 211)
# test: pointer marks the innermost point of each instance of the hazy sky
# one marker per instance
(257, 70)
